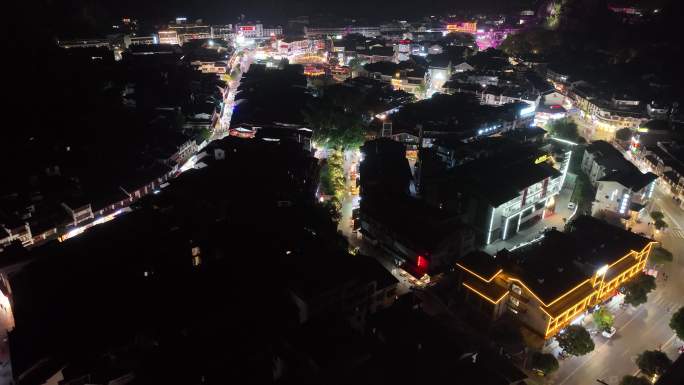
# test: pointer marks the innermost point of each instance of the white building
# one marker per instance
(620, 186)
(168, 37)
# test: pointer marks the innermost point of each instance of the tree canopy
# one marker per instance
(531, 41)
(545, 362)
(575, 340)
(658, 220)
(564, 128)
(603, 319)
(637, 289)
(332, 176)
(334, 126)
(459, 39)
(623, 134)
(652, 362)
(677, 323)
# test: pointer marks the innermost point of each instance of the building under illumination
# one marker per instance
(497, 186)
(341, 31)
(168, 37)
(553, 282)
(620, 186)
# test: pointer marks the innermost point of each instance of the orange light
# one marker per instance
(484, 296)
(479, 276)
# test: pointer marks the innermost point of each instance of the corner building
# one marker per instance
(549, 284)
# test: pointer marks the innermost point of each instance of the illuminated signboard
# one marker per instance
(247, 28)
(541, 159)
(528, 110)
(469, 27)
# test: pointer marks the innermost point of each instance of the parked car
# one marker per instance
(608, 333)
(571, 206)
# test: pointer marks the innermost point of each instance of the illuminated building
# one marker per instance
(608, 114)
(314, 71)
(621, 186)
(552, 282)
(297, 46)
(465, 26)
(665, 160)
(341, 31)
(144, 40)
(225, 32)
(250, 31)
(403, 50)
(404, 78)
(507, 188)
(168, 37)
(547, 113)
(84, 43)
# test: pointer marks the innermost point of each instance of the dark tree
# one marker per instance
(545, 362)
(652, 362)
(658, 220)
(575, 340)
(623, 134)
(459, 39)
(677, 323)
(564, 128)
(636, 291)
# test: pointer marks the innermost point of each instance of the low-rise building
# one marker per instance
(368, 31)
(665, 159)
(551, 283)
(422, 239)
(608, 113)
(168, 37)
(354, 287)
(84, 43)
(620, 186)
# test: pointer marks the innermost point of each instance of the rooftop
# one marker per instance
(560, 262)
(502, 177)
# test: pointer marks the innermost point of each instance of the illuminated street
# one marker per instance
(639, 329)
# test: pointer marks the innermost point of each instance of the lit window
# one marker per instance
(516, 289)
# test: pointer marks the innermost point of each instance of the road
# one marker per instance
(642, 328)
(243, 63)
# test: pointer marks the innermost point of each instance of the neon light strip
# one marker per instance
(484, 296)
(479, 276)
(505, 229)
(565, 171)
(564, 141)
(491, 223)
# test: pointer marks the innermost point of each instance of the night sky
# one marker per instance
(64, 16)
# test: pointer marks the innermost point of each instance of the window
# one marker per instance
(514, 301)
(516, 289)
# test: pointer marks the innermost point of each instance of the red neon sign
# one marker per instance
(421, 262)
(247, 28)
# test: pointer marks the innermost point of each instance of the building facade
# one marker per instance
(547, 294)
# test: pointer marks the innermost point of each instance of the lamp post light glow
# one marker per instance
(602, 270)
